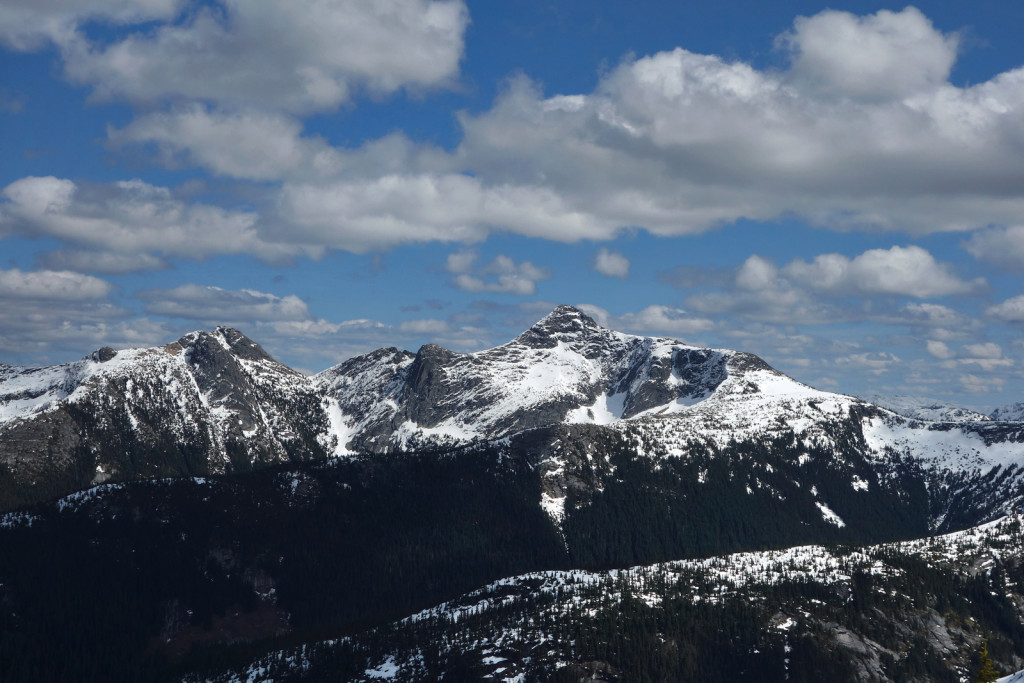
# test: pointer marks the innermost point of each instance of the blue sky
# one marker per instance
(839, 190)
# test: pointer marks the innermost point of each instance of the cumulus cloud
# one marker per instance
(1002, 246)
(939, 349)
(30, 24)
(654, 319)
(987, 356)
(306, 56)
(798, 292)
(427, 326)
(678, 142)
(500, 275)
(862, 130)
(987, 350)
(876, 57)
(902, 271)
(926, 314)
(664, 320)
(611, 263)
(758, 291)
(376, 213)
(51, 285)
(45, 311)
(128, 219)
(222, 306)
(875, 363)
(101, 261)
(981, 385)
(253, 145)
(1010, 311)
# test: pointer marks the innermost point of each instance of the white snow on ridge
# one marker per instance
(954, 449)
(829, 516)
(340, 430)
(604, 411)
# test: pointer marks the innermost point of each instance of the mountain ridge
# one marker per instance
(215, 402)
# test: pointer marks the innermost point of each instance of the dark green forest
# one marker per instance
(152, 580)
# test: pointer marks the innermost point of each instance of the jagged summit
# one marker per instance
(227, 339)
(565, 319)
(215, 400)
(565, 323)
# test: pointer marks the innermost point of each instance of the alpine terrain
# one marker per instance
(575, 504)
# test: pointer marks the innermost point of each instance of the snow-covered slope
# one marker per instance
(922, 408)
(216, 401)
(864, 606)
(1014, 412)
(564, 369)
(209, 402)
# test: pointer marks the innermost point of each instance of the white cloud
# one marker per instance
(759, 292)
(500, 275)
(222, 306)
(679, 142)
(983, 350)
(253, 144)
(31, 24)
(876, 57)
(799, 292)
(377, 213)
(902, 271)
(460, 262)
(428, 326)
(303, 56)
(611, 263)
(654, 319)
(100, 261)
(130, 220)
(927, 314)
(664, 320)
(45, 311)
(1002, 246)
(986, 355)
(982, 385)
(939, 349)
(1011, 310)
(51, 285)
(675, 142)
(876, 362)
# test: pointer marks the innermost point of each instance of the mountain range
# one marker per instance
(274, 505)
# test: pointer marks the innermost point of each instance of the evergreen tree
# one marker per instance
(986, 672)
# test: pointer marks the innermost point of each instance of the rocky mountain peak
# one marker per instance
(215, 347)
(103, 355)
(564, 321)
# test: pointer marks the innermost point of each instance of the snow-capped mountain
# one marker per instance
(1014, 412)
(209, 402)
(216, 402)
(930, 409)
(566, 369)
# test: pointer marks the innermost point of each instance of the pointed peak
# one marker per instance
(565, 319)
(102, 355)
(229, 339)
(562, 323)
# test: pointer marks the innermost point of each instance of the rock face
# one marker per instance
(564, 369)
(1013, 412)
(210, 402)
(217, 402)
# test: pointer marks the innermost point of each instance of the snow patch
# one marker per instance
(829, 516)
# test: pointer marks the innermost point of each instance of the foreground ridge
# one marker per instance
(882, 612)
